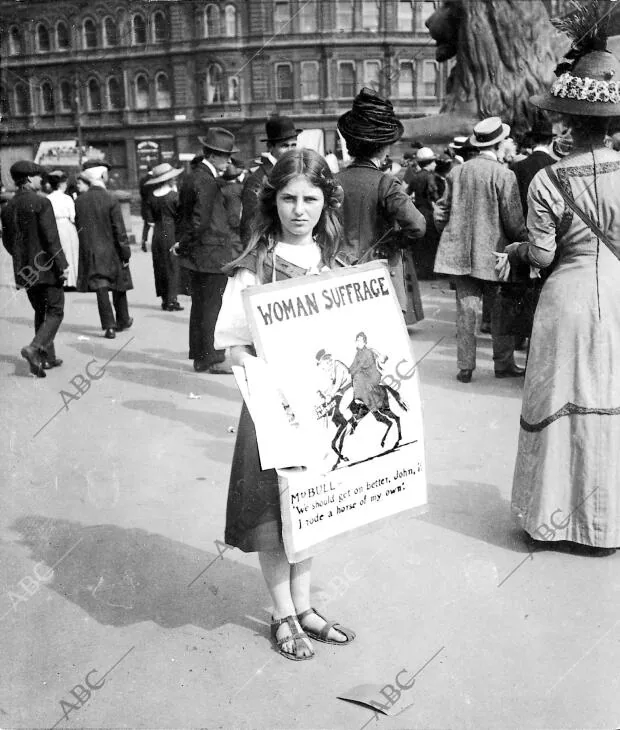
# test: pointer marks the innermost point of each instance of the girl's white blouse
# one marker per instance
(232, 327)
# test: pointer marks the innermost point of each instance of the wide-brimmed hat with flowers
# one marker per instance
(588, 82)
(162, 173)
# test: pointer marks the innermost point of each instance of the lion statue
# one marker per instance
(505, 50)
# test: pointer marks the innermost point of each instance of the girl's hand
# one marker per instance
(240, 354)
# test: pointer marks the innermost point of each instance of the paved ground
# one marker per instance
(123, 493)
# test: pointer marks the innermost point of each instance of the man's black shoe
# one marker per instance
(514, 371)
(464, 376)
(110, 333)
(34, 359)
(126, 326)
(49, 364)
(201, 365)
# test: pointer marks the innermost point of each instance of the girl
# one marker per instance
(296, 231)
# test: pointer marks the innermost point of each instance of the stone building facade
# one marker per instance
(140, 79)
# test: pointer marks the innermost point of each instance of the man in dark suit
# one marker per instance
(104, 249)
(206, 243)
(30, 235)
(542, 139)
(281, 137)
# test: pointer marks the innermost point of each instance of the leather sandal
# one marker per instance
(322, 634)
(295, 636)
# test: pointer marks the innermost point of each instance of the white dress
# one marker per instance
(64, 212)
(232, 327)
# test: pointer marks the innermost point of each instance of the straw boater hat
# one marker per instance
(371, 119)
(425, 154)
(458, 143)
(162, 173)
(489, 132)
(588, 83)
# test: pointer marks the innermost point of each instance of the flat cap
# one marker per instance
(87, 164)
(25, 168)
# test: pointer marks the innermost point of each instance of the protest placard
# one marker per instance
(337, 346)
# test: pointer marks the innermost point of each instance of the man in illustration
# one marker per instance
(335, 384)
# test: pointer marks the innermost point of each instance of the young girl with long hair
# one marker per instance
(296, 231)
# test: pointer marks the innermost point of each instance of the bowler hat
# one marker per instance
(280, 128)
(86, 164)
(489, 132)
(26, 168)
(218, 139)
(161, 173)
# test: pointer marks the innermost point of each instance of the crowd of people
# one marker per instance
(482, 213)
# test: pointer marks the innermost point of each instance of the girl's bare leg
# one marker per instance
(277, 573)
(300, 593)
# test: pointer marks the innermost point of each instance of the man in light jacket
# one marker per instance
(478, 215)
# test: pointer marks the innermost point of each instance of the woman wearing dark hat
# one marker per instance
(379, 217)
(64, 212)
(567, 475)
(162, 210)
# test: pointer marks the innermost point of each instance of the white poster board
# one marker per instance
(351, 403)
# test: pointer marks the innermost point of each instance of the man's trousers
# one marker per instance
(48, 302)
(207, 290)
(469, 292)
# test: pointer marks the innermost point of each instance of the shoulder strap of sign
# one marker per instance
(584, 216)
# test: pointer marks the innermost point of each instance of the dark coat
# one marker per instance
(206, 240)
(103, 242)
(249, 198)
(30, 235)
(145, 195)
(375, 202)
(525, 170)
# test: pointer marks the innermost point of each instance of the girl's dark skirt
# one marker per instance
(253, 521)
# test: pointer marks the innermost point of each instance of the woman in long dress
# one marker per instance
(162, 210)
(567, 476)
(64, 212)
(296, 232)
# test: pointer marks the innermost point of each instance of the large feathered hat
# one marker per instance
(588, 82)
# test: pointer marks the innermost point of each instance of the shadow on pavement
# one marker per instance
(205, 421)
(475, 510)
(125, 576)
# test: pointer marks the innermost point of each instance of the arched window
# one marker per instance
(233, 89)
(110, 33)
(212, 21)
(430, 77)
(138, 27)
(21, 102)
(284, 82)
(43, 38)
(90, 34)
(163, 99)
(15, 42)
(230, 16)
(65, 96)
(63, 37)
(94, 96)
(309, 80)
(47, 98)
(214, 87)
(141, 86)
(346, 79)
(160, 28)
(116, 99)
